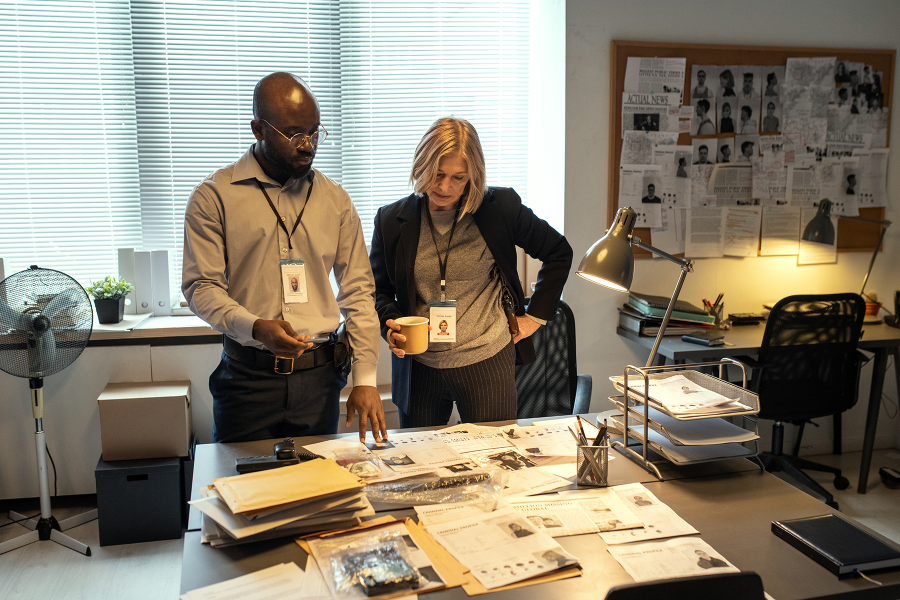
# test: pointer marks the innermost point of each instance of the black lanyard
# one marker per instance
(280, 218)
(442, 263)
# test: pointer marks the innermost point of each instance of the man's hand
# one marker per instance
(365, 400)
(280, 338)
(527, 326)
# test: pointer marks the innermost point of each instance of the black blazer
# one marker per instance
(504, 223)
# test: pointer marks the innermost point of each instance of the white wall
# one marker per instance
(591, 26)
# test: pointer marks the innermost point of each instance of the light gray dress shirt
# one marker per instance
(231, 273)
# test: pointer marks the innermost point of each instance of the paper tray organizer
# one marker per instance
(670, 447)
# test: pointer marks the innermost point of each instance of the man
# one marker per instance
(294, 283)
(702, 155)
(747, 92)
(705, 561)
(651, 197)
(851, 184)
(746, 152)
(245, 224)
(725, 149)
(519, 531)
(700, 90)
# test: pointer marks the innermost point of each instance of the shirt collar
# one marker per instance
(247, 167)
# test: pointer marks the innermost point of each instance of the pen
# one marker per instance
(581, 429)
(584, 466)
(719, 299)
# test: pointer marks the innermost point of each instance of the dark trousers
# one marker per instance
(484, 391)
(250, 403)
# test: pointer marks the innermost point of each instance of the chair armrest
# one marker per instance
(583, 386)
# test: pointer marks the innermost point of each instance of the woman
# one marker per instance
(456, 224)
(771, 123)
(726, 83)
(726, 123)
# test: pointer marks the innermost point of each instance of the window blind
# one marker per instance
(154, 95)
(69, 192)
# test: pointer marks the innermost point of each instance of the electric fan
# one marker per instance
(45, 322)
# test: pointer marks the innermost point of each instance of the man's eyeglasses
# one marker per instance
(300, 139)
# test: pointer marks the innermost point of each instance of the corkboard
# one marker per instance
(853, 236)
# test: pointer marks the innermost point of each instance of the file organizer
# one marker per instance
(647, 424)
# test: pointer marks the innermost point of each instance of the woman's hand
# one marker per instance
(527, 326)
(393, 335)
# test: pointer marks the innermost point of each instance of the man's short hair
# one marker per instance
(746, 75)
(701, 72)
(704, 104)
(723, 148)
(771, 104)
(651, 186)
(746, 144)
(702, 147)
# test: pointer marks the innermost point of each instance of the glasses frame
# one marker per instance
(302, 136)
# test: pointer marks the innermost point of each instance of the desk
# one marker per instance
(732, 509)
(879, 339)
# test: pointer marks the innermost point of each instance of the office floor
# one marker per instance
(152, 570)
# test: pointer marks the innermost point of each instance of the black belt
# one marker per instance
(263, 359)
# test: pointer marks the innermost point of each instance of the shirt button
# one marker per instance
(287, 309)
(284, 249)
(282, 218)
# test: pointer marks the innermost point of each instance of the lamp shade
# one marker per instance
(820, 229)
(610, 261)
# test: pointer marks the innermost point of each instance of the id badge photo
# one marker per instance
(442, 318)
(293, 281)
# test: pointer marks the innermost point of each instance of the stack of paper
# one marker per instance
(304, 498)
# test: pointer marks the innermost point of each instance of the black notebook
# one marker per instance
(713, 337)
(662, 303)
(837, 544)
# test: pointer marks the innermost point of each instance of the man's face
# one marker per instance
(770, 110)
(748, 83)
(701, 77)
(726, 153)
(651, 190)
(296, 113)
(703, 153)
(748, 150)
(294, 283)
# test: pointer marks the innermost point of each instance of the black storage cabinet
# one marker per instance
(139, 500)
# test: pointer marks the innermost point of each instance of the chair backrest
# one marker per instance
(546, 387)
(724, 586)
(810, 366)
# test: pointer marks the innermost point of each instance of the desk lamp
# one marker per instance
(610, 263)
(820, 230)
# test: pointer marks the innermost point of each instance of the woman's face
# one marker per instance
(744, 115)
(443, 326)
(726, 110)
(723, 80)
(451, 180)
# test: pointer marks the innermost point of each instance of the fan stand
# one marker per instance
(46, 527)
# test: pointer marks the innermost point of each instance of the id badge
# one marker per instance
(293, 280)
(442, 318)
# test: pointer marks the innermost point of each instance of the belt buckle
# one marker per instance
(280, 360)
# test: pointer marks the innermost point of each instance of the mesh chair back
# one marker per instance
(808, 352)
(546, 387)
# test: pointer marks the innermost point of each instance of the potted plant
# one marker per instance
(109, 298)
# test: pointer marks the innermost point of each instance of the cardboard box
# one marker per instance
(139, 500)
(145, 420)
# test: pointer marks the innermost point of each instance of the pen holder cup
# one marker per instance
(718, 312)
(593, 466)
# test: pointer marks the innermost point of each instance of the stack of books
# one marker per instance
(313, 496)
(643, 314)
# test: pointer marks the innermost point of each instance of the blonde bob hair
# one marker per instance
(449, 136)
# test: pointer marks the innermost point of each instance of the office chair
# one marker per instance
(808, 367)
(724, 586)
(551, 385)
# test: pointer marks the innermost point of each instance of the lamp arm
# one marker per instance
(686, 267)
(678, 261)
(874, 253)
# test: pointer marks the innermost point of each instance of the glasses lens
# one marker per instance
(314, 139)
